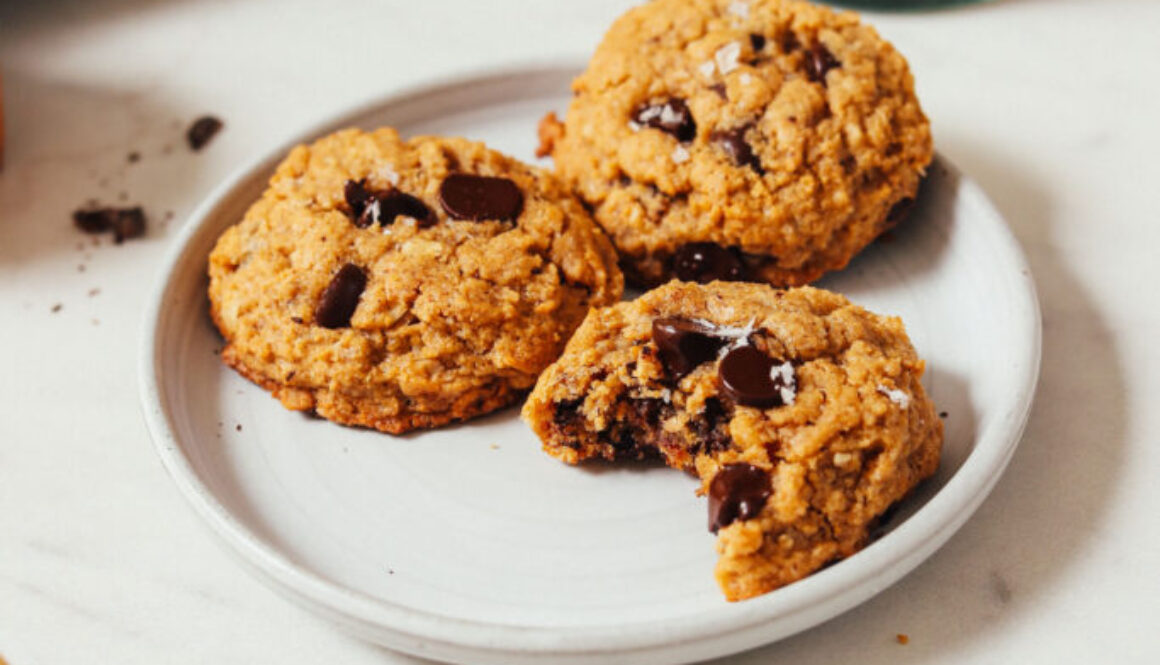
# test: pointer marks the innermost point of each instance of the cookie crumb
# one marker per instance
(238, 427)
(550, 131)
(94, 292)
(902, 638)
(494, 446)
(133, 157)
(57, 307)
(202, 131)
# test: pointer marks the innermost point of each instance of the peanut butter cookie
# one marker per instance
(759, 140)
(405, 284)
(803, 415)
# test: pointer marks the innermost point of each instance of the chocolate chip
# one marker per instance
(476, 197)
(340, 298)
(384, 208)
(125, 223)
(369, 207)
(789, 42)
(721, 90)
(732, 141)
(738, 492)
(819, 61)
(705, 261)
(672, 117)
(757, 41)
(748, 376)
(683, 344)
(357, 196)
(202, 131)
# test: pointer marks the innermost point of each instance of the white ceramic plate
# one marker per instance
(468, 544)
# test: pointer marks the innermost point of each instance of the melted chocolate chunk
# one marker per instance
(704, 262)
(477, 197)
(711, 427)
(684, 344)
(747, 376)
(202, 131)
(738, 492)
(819, 61)
(721, 90)
(672, 117)
(385, 208)
(757, 41)
(357, 196)
(340, 298)
(369, 207)
(732, 141)
(789, 42)
(125, 223)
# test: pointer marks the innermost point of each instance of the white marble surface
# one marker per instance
(1052, 105)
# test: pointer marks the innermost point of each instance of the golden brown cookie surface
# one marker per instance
(782, 135)
(803, 415)
(403, 284)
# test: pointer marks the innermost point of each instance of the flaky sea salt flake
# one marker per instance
(680, 155)
(897, 396)
(726, 57)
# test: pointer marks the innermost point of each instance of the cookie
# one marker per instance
(803, 415)
(405, 284)
(768, 140)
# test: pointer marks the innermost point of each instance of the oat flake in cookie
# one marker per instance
(784, 133)
(803, 415)
(405, 284)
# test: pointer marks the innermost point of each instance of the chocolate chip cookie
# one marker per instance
(803, 415)
(760, 140)
(405, 284)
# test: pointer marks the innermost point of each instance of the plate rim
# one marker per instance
(427, 634)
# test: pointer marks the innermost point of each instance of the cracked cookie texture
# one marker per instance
(787, 133)
(401, 284)
(793, 484)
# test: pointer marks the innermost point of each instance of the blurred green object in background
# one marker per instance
(901, 5)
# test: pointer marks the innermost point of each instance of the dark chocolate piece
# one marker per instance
(733, 142)
(746, 376)
(684, 344)
(671, 116)
(125, 223)
(704, 262)
(819, 61)
(477, 197)
(339, 300)
(738, 492)
(202, 131)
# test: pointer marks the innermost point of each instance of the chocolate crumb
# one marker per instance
(942, 414)
(133, 157)
(202, 131)
(125, 223)
(238, 427)
(57, 307)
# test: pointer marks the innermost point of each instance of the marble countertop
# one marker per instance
(1052, 105)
